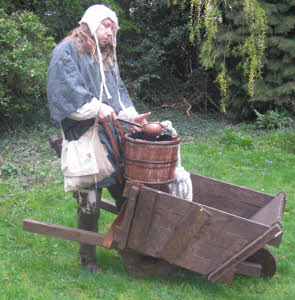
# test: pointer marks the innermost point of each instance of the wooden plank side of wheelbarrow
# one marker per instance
(121, 229)
(163, 224)
(241, 201)
(160, 219)
(237, 200)
(144, 213)
(271, 214)
(189, 228)
(222, 237)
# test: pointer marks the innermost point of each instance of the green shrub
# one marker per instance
(24, 60)
(230, 137)
(60, 17)
(8, 170)
(272, 120)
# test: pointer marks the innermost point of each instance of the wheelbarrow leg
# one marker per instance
(141, 266)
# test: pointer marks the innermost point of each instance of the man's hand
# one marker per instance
(141, 120)
(106, 113)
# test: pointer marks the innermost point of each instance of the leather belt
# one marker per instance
(83, 123)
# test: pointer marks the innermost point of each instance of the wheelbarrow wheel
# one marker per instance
(266, 259)
(141, 266)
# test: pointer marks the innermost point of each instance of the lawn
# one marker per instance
(40, 267)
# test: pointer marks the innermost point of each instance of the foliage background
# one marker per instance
(25, 49)
(158, 62)
(275, 88)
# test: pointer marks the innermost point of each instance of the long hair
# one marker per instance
(84, 42)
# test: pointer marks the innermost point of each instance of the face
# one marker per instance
(104, 32)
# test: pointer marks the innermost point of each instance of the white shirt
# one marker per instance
(90, 110)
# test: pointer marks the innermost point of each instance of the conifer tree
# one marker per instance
(251, 46)
(277, 86)
(275, 89)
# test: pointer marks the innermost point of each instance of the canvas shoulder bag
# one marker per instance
(84, 162)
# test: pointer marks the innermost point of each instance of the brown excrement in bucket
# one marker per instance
(142, 136)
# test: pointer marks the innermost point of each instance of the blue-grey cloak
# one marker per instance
(73, 81)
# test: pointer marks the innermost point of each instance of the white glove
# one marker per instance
(106, 113)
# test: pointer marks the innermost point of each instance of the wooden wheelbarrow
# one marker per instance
(222, 232)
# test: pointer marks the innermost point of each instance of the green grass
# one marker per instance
(39, 267)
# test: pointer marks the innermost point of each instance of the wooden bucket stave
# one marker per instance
(151, 162)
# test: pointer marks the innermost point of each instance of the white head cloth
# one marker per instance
(97, 13)
(93, 16)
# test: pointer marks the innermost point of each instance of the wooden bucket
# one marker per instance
(150, 162)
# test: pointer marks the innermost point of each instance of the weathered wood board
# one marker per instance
(160, 221)
(222, 232)
(240, 201)
(234, 199)
(201, 237)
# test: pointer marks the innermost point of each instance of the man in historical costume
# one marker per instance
(84, 82)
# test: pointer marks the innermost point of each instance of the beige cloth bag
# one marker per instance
(84, 162)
